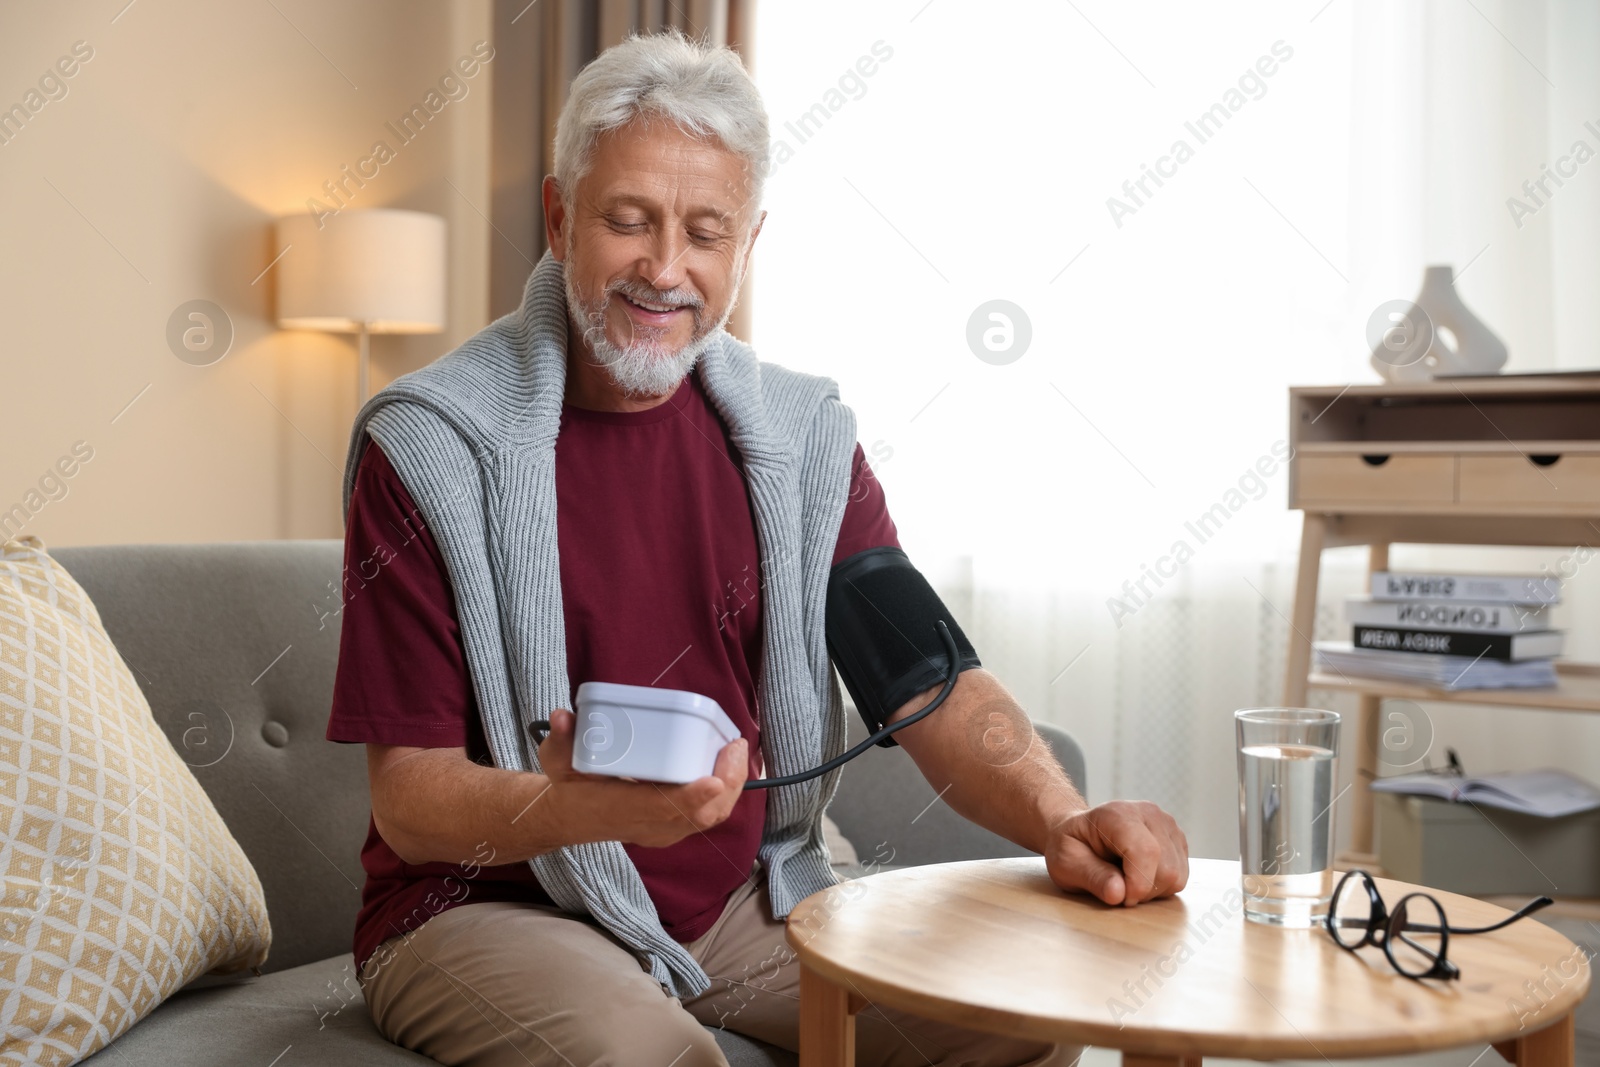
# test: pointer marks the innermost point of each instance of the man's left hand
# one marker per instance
(1123, 852)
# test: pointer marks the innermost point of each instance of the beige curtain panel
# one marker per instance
(539, 47)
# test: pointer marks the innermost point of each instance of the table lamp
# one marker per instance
(374, 271)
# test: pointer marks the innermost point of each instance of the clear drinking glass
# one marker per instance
(1288, 762)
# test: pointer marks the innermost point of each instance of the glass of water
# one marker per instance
(1288, 762)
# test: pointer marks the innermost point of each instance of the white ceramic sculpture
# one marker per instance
(1445, 339)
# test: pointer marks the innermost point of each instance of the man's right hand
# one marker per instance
(601, 808)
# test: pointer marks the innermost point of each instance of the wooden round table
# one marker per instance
(995, 946)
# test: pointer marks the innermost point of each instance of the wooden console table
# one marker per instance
(1486, 461)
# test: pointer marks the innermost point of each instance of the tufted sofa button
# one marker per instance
(275, 734)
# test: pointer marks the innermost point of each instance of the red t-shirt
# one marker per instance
(660, 580)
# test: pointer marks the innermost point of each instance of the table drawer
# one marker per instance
(1409, 478)
(1564, 481)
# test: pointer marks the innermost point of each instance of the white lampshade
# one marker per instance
(382, 268)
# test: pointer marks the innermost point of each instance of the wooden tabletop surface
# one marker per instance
(994, 945)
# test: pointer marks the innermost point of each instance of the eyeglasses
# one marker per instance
(1414, 936)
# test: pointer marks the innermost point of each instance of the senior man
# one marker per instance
(604, 485)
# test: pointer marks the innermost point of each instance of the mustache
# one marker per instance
(634, 289)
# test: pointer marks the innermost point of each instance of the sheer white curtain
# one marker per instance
(935, 156)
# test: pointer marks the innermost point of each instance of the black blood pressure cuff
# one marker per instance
(881, 634)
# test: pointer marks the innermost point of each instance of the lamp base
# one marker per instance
(363, 367)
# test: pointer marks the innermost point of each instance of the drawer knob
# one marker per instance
(1544, 460)
(1375, 461)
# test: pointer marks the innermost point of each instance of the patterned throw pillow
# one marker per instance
(121, 882)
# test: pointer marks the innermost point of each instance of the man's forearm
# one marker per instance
(439, 807)
(981, 752)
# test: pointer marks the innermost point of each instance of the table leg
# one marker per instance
(1369, 712)
(1136, 1059)
(827, 1022)
(1303, 618)
(1551, 1047)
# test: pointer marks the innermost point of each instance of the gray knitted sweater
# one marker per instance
(473, 434)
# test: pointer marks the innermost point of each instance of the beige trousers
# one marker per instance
(519, 984)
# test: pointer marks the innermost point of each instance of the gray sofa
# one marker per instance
(235, 647)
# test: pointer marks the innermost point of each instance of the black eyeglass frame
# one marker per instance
(1394, 925)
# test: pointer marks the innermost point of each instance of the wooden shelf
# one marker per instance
(1584, 909)
(1349, 859)
(1498, 446)
(1578, 689)
(1457, 472)
(1489, 386)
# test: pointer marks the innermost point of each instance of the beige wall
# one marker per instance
(153, 181)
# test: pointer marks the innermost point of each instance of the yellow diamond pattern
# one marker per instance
(120, 880)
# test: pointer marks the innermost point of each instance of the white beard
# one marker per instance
(644, 368)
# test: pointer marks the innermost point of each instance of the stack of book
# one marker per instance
(1450, 631)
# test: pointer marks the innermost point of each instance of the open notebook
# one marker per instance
(1548, 792)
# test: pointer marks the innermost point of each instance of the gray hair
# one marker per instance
(705, 91)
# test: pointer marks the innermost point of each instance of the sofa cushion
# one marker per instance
(234, 646)
(316, 1010)
(121, 882)
(894, 818)
(747, 1052)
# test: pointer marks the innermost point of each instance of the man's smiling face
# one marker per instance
(655, 239)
